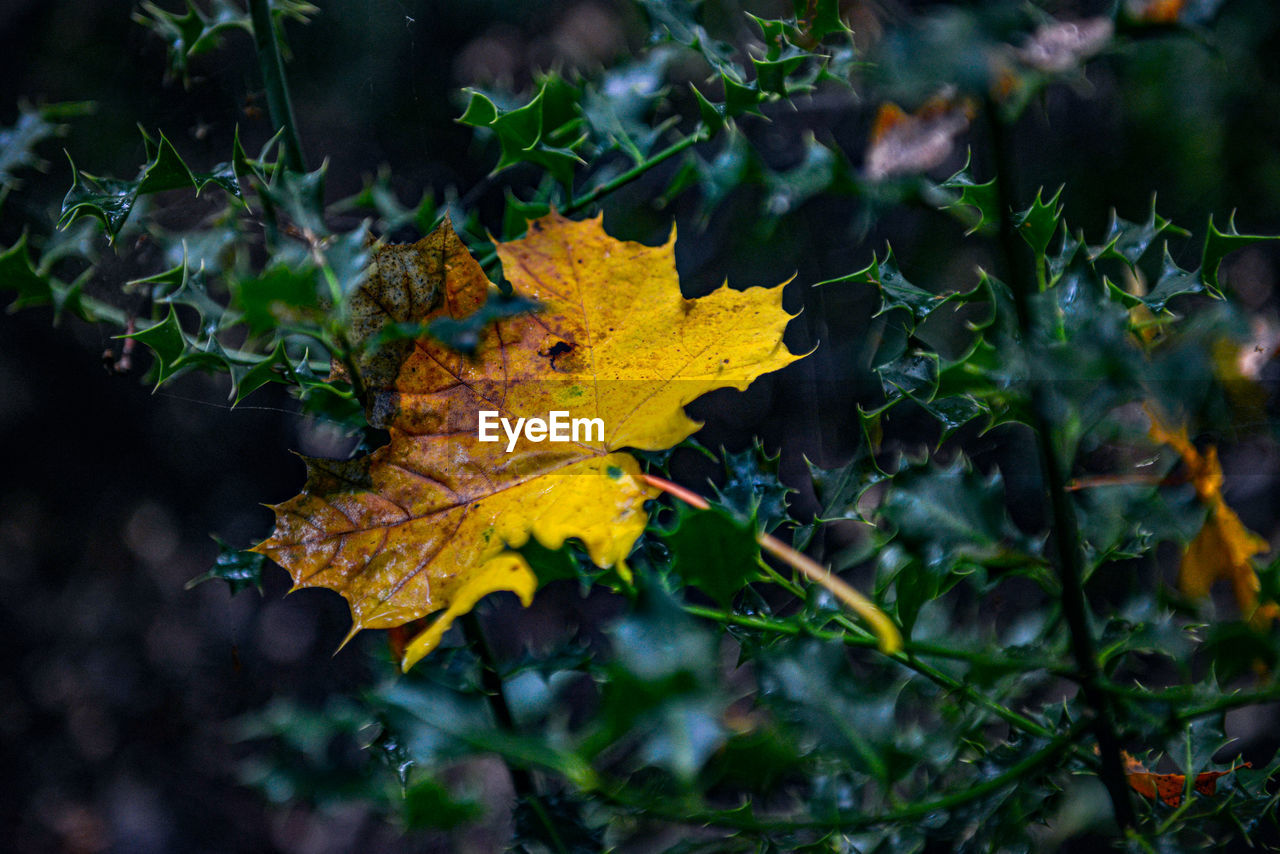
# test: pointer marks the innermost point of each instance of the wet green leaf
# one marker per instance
(240, 569)
(111, 200)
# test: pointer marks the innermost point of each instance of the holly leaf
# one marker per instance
(1218, 244)
(1174, 281)
(111, 200)
(983, 199)
(238, 568)
(17, 274)
(523, 135)
(956, 515)
(195, 32)
(428, 522)
(1038, 223)
(714, 551)
(1129, 241)
(34, 126)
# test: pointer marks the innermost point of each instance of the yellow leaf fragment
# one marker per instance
(425, 524)
(1224, 548)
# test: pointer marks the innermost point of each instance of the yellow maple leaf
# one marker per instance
(1224, 547)
(424, 524)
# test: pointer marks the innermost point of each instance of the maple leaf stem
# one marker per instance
(1066, 534)
(887, 634)
(267, 43)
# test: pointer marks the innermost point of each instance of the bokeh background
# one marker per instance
(122, 694)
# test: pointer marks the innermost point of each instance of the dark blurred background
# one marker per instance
(120, 688)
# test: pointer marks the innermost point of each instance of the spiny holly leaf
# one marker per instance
(896, 293)
(238, 568)
(282, 293)
(111, 199)
(914, 375)
(167, 344)
(523, 136)
(618, 106)
(663, 688)
(714, 551)
(1218, 244)
(275, 368)
(196, 32)
(735, 166)
(984, 199)
(819, 18)
(1174, 281)
(840, 489)
(36, 288)
(180, 285)
(1129, 241)
(424, 523)
(752, 491)
(677, 20)
(377, 195)
(955, 514)
(1038, 223)
(299, 194)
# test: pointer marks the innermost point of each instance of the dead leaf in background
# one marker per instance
(904, 143)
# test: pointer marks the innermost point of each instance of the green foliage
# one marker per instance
(713, 552)
(1028, 583)
(196, 32)
(111, 200)
(238, 568)
(34, 126)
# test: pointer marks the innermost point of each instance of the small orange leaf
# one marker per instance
(1158, 11)
(1170, 787)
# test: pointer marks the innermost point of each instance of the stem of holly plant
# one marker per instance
(1066, 532)
(521, 778)
(635, 171)
(267, 43)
